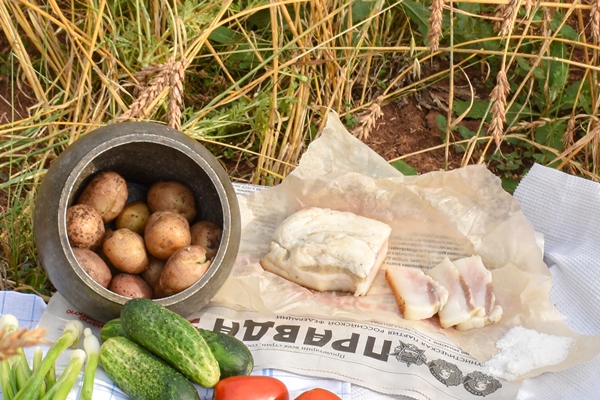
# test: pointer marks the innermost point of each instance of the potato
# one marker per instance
(181, 271)
(130, 285)
(166, 232)
(107, 192)
(208, 235)
(85, 228)
(133, 217)
(126, 251)
(93, 265)
(151, 274)
(172, 196)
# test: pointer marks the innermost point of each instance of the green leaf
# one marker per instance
(509, 184)
(361, 10)
(418, 13)
(551, 134)
(224, 35)
(468, 28)
(404, 167)
(559, 71)
(465, 132)
(441, 122)
(477, 111)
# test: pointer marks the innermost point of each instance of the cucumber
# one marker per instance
(232, 354)
(141, 374)
(112, 328)
(172, 338)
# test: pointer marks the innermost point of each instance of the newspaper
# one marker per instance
(383, 357)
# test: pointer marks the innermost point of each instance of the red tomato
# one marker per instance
(254, 387)
(318, 394)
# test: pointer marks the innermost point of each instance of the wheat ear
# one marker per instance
(368, 120)
(435, 24)
(177, 75)
(11, 343)
(498, 98)
(595, 18)
(508, 17)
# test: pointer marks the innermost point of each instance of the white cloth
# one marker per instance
(566, 210)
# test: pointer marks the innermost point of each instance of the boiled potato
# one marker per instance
(181, 271)
(155, 267)
(85, 228)
(208, 235)
(172, 196)
(93, 265)
(133, 217)
(166, 232)
(107, 192)
(126, 251)
(130, 285)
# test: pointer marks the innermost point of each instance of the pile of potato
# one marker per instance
(148, 249)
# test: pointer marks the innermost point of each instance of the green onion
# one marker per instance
(70, 336)
(8, 379)
(8, 391)
(92, 349)
(65, 383)
(38, 355)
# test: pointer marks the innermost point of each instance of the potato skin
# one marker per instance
(133, 217)
(85, 228)
(95, 267)
(126, 251)
(181, 271)
(130, 285)
(166, 232)
(151, 274)
(208, 235)
(172, 196)
(107, 192)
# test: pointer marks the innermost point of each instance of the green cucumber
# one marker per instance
(141, 374)
(232, 354)
(112, 328)
(172, 338)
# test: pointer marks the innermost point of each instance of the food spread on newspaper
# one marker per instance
(456, 234)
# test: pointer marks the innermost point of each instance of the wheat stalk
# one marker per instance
(368, 119)
(498, 99)
(11, 343)
(435, 24)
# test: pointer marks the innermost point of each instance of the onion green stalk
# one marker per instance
(38, 355)
(70, 337)
(92, 349)
(8, 379)
(8, 390)
(50, 378)
(65, 383)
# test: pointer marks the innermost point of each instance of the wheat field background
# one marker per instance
(253, 81)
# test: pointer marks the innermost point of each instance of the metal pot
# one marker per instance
(142, 153)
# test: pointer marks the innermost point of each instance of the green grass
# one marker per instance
(262, 75)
